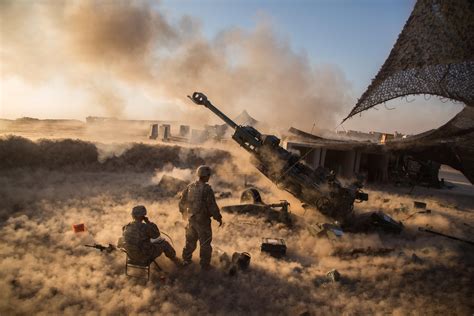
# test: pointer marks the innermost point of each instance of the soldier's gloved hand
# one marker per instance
(220, 222)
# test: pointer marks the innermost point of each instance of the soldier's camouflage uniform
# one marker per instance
(136, 241)
(198, 205)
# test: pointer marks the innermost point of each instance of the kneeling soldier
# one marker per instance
(137, 237)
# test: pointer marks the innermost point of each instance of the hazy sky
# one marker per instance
(353, 37)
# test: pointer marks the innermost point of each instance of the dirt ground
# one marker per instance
(45, 268)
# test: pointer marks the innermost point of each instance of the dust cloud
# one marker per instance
(45, 268)
(111, 50)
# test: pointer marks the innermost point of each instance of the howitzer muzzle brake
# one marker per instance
(199, 98)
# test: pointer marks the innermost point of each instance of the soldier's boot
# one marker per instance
(188, 254)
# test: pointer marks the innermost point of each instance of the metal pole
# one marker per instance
(443, 235)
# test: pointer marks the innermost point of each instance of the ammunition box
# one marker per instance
(418, 204)
(275, 247)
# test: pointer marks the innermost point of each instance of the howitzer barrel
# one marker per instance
(201, 99)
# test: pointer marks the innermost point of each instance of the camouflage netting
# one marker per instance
(434, 54)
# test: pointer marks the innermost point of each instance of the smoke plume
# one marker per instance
(106, 48)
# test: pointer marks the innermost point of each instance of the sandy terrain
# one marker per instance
(44, 267)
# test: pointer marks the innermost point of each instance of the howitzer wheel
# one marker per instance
(324, 205)
(251, 195)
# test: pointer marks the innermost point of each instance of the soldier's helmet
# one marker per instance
(138, 211)
(204, 171)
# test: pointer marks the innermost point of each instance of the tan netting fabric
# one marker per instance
(434, 54)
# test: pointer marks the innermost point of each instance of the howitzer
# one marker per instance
(102, 248)
(318, 188)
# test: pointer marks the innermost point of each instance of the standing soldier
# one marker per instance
(198, 205)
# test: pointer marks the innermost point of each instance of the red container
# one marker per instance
(78, 228)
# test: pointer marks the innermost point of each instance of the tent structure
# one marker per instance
(244, 118)
(434, 55)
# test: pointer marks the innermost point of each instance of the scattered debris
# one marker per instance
(79, 228)
(223, 257)
(326, 230)
(378, 221)
(421, 229)
(418, 204)
(333, 275)
(275, 247)
(240, 262)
